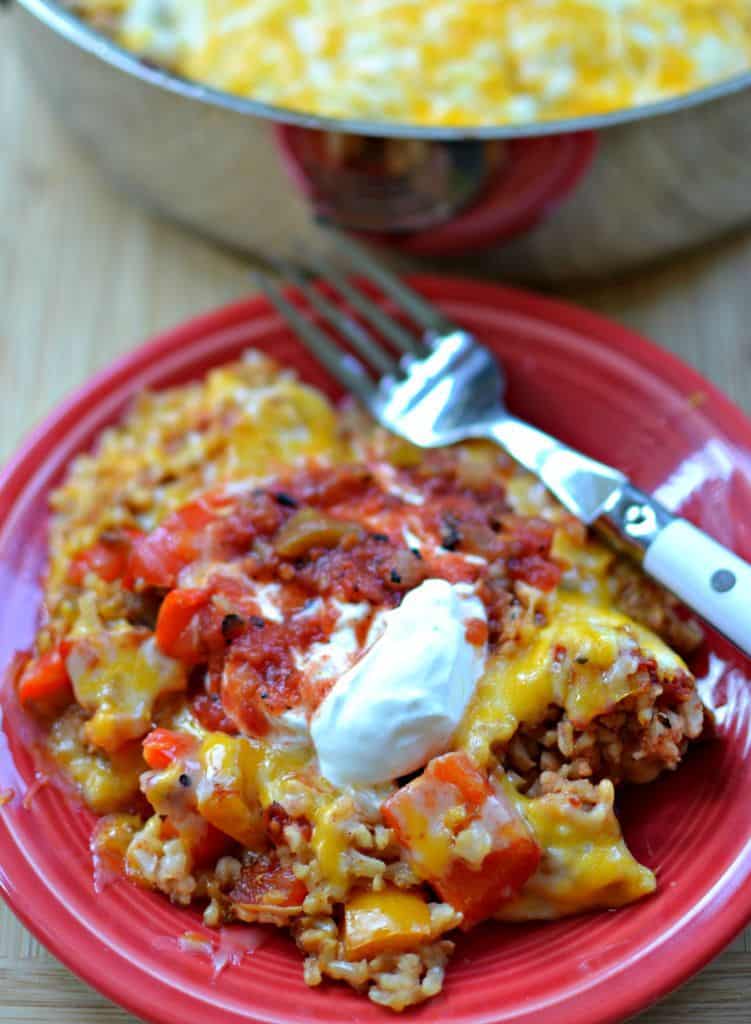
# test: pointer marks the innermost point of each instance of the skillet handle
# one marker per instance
(706, 576)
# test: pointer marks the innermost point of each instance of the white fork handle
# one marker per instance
(706, 576)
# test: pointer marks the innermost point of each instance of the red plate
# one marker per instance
(597, 386)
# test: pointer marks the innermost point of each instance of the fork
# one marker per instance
(437, 384)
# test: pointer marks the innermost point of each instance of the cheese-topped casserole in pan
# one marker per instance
(439, 62)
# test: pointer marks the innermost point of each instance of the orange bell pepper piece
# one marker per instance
(432, 816)
(162, 747)
(45, 679)
(176, 634)
(389, 921)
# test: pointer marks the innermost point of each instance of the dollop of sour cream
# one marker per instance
(401, 702)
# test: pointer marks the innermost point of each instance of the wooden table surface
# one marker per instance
(84, 276)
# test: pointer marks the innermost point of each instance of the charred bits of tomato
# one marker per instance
(209, 710)
(528, 542)
(265, 882)
(324, 532)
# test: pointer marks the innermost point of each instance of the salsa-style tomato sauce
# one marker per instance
(250, 580)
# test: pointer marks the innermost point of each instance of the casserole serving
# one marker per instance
(311, 676)
(666, 426)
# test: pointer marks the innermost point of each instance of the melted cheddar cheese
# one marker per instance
(381, 922)
(331, 842)
(585, 864)
(119, 677)
(583, 660)
(107, 783)
(280, 423)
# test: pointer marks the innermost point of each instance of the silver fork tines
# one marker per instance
(348, 370)
(360, 339)
(389, 328)
(445, 387)
(428, 317)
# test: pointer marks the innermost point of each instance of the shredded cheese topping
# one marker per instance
(442, 62)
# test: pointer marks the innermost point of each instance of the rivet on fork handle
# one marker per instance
(631, 520)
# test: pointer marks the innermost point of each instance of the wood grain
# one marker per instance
(84, 276)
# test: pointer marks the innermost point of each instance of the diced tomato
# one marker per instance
(208, 709)
(162, 746)
(178, 625)
(195, 624)
(260, 677)
(267, 883)
(108, 557)
(451, 567)
(168, 830)
(212, 845)
(216, 525)
(45, 679)
(430, 813)
(479, 893)
(535, 570)
(528, 541)
(326, 487)
(476, 632)
(527, 535)
(157, 558)
(243, 696)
